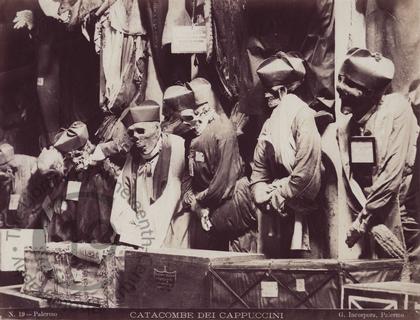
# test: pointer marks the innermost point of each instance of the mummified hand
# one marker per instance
(205, 219)
(278, 204)
(357, 229)
(23, 19)
(202, 213)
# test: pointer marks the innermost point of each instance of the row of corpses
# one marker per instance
(182, 183)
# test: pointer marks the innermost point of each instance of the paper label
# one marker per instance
(77, 275)
(48, 207)
(300, 285)
(362, 151)
(40, 81)
(199, 156)
(73, 190)
(189, 39)
(269, 289)
(14, 201)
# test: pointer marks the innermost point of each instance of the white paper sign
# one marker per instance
(14, 201)
(77, 275)
(269, 289)
(40, 81)
(73, 190)
(199, 156)
(189, 39)
(300, 285)
(362, 152)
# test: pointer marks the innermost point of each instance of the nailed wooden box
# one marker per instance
(75, 272)
(173, 278)
(382, 295)
(293, 283)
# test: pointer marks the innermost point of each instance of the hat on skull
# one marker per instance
(72, 138)
(202, 90)
(369, 70)
(147, 111)
(282, 69)
(178, 98)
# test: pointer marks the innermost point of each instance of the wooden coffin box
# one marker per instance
(11, 297)
(382, 295)
(294, 283)
(75, 273)
(173, 278)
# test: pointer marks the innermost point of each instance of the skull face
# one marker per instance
(354, 98)
(145, 136)
(199, 118)
(274, 96)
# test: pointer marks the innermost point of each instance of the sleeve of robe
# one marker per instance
(226, 173)
(389, 179)
(260, 175)
(305, 178)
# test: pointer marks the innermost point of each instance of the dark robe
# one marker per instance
(216, 182)
(170, 68)
(301, 186)
(395, 129)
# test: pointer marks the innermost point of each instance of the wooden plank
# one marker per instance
(11, 297)
(390, 286)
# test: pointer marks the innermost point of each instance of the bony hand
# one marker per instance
(357, 230)
(277, 202)
(60, 206)
(262, 193)
(188, 198)
(23, 19)
(195, 206)
(205, 219)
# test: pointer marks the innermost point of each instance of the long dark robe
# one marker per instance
(217, 184)
(69, 67)
(170, 68)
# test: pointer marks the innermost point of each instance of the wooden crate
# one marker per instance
(75, 273)
(173, 278)
(293, 283)
(382, 295)
(12, 297)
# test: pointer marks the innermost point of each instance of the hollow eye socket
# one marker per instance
(136, 130)
(187, 118)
